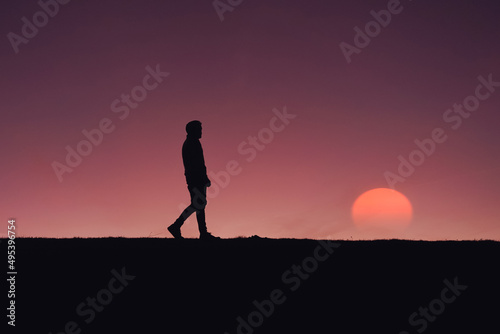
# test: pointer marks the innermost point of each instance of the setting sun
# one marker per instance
(382, 208)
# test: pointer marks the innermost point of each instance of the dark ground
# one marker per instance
(190, 286)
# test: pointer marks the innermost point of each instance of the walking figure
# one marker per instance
(197, 182)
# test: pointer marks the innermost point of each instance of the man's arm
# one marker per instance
(194, 162)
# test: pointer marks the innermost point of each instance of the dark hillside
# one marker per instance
(256, 286)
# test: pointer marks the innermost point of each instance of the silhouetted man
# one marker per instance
(197, 181)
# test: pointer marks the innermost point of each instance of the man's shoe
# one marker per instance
(175, 231)
(208, 236)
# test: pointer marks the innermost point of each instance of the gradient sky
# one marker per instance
(352, 120)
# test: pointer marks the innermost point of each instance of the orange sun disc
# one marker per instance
(382, 208)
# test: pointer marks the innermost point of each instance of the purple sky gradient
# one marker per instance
(352, 120)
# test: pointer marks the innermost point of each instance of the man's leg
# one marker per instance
(184, 215)
(199, 202)
(175, 228)
(202, 224)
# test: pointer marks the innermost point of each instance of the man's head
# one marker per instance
(193, 129)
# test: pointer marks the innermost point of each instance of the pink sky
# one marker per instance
(352, 120)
